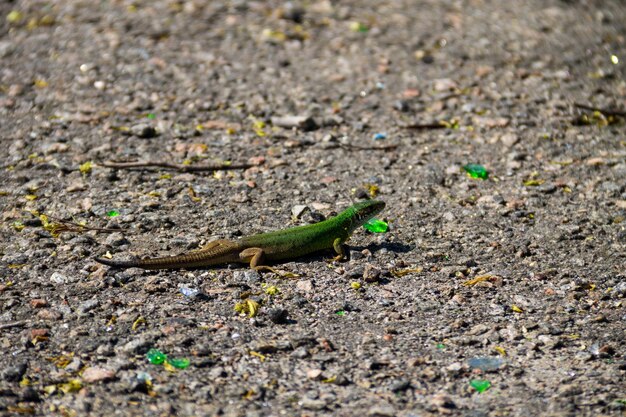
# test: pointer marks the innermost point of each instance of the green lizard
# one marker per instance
(273, 246)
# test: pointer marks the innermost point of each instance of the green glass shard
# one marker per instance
(476, 171)
(480, 385)
(180, 363)
(112, 213)
(376, 226)
(156, 357)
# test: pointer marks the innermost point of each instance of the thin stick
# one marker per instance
(14, 324)
(79, 227)
(425, 126)
(607, 112)
(368, 148)
(177, 167)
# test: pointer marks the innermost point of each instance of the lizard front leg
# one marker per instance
(339, 248)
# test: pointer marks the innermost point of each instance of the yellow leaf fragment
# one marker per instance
(272, 290)
(372, 189)
(30, 197)
(38, 339)
(73, 385)
(533, 183)
(61, 361)
(50, 389)
(248, 306)
(192, 194)
(258, 126)
(140, 320)
(14, 16)
(85, 168)
(356, 285)
(516, 309)
(258, 355)
(330, 380)
(21, 409)
(500, 350)
(271, 35)
(169, 367)
(477, 279)
(54, 229)
(253, 307)
(47, 20)
(402, 272)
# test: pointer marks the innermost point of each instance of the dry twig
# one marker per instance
(606, 112)
(368, 148)
(176, 167)
(425, 126)
(70, 226)
(13, 324)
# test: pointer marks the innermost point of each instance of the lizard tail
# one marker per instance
(118, 264)
(216, 252)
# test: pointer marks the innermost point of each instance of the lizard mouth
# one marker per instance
(368, 209)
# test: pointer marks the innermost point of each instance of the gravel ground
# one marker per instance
(517, 280)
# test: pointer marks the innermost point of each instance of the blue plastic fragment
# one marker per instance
(380, 136)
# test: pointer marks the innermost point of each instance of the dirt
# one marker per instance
(517, 279)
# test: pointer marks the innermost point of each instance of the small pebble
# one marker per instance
(144, 131)
(14, 372)
(305, 286)
(277, 315)
(371, 273)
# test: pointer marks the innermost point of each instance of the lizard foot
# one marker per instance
(282, 274)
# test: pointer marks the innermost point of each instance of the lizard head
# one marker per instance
(365, 210)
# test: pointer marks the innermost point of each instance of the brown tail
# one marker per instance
(214, 253)
(118, 264)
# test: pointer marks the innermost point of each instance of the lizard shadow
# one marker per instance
(395, 247)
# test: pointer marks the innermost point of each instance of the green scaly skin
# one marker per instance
(273, 246)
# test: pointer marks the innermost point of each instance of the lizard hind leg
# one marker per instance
(256, 256)
(253, 255)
